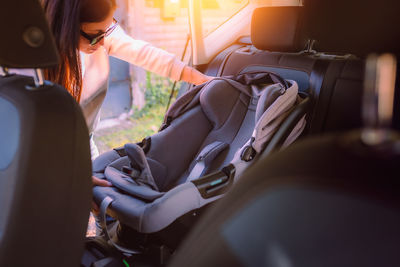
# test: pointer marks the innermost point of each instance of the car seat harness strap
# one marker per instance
(205, 158)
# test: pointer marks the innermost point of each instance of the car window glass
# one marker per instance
(216, 12)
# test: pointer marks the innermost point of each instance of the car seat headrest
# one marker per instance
(26, 39)
(276, 28)
(356, 27)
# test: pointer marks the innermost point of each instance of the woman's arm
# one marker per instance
(151, 58)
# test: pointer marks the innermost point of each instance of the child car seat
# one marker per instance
(223, 123)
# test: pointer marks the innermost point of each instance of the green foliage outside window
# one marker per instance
(142, 122)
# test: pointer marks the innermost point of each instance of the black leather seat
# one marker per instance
(45, 167)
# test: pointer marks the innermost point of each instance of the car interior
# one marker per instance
(293, 164)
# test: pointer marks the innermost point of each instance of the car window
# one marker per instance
(216, 12)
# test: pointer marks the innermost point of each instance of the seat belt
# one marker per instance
(204, 159)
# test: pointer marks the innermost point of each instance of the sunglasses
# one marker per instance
(94, 39)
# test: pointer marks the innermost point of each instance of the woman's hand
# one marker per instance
(206, 78)
(98, 182)
(194, 76)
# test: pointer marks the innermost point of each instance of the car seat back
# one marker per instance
(45, 166)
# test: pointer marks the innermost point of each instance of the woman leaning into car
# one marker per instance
(86, 33)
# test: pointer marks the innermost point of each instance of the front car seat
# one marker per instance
(45, 167)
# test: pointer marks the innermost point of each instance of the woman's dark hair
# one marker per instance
(65, 17)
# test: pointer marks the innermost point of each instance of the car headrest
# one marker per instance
(357, 27)
(277, 28)
(26, 39)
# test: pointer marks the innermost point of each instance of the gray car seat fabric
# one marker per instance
(267, 123)
(146, 209)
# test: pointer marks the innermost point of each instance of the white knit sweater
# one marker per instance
(120, 45)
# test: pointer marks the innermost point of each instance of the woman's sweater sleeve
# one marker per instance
(143, 54)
